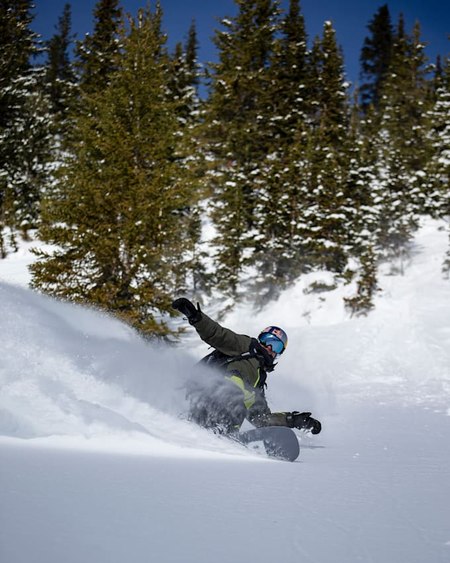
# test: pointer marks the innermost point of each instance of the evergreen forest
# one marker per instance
(144, 190)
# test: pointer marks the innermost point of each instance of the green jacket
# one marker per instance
(245, 373)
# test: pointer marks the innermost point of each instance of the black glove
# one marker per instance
(303, 421)
(188, 309)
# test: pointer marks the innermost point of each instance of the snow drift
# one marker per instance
(72, 371)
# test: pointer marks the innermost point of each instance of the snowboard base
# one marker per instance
(279, 442)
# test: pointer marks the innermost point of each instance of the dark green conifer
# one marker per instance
(238, 129)
(119, 226)
(327, 159)
(439, 165)
(278, 249)
(60, 74)
(97, 53)
(291, 75)
(192, 64)
(376, 57)
(364, 193)
(184, 82)
(186, 76)
(403, 141)
(24, 122)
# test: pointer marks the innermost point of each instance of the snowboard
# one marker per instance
(279, 442)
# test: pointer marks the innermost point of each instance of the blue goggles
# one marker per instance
(273, 341)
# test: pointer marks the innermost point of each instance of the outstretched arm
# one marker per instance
(222, 338)
(212, 332)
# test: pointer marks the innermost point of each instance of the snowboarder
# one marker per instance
(243, 363)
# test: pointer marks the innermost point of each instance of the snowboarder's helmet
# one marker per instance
(275, 337)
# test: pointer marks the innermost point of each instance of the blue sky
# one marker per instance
(349, 17)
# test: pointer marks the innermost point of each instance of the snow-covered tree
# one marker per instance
(327, 159)
(291, 76)
(402, 141)
(25, 139)
(439, 165)
(277, 248)
(238, 129)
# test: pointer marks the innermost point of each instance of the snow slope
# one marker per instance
(98, 464)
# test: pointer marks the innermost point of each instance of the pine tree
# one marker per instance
(278, 247)
(185, 79)
(327, 159)
(439, 164)
(376, 57)
(291, 74)
(24, 123)
(119, 224)
(60, 75)
(186, 76)
(403, 141)
(238, 129)
(192, 64)
(362, 210)
(17, 45)
(97, 52)
(304, 206)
